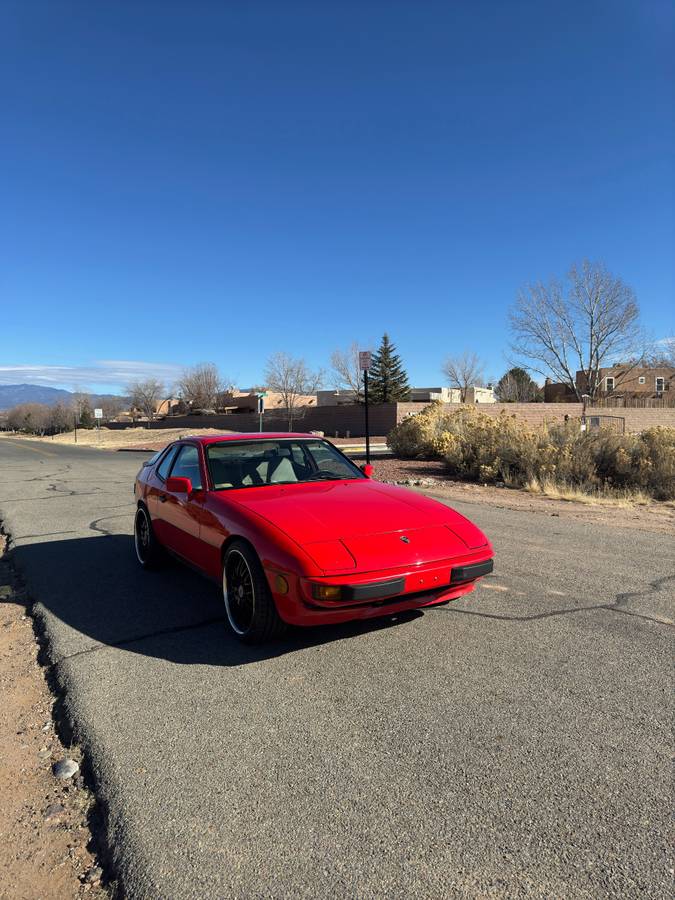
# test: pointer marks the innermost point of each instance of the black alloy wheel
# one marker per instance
(148, 551)
(249, 605)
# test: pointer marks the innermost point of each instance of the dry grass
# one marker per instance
(575, 494)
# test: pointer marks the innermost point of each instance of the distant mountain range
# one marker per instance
(13, 394)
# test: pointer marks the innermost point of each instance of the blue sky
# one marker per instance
(218, 181)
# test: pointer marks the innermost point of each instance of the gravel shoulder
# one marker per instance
(45, 839)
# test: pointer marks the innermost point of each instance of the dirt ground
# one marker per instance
(44, 832)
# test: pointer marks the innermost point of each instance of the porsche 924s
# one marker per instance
(297, 534)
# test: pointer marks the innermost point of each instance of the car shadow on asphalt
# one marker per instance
(93, 590)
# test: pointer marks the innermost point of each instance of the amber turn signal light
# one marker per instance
(326, 591)
(280, 585)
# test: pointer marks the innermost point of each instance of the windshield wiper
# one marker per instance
(327, 476)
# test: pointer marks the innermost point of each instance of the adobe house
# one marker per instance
(239, 402)
(642, 382)
(621, 380)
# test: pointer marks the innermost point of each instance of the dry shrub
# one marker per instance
(421, 436)
(484, 448)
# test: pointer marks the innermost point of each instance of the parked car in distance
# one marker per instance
(297, 534)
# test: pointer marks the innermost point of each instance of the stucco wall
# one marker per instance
(343, 419)
(538, 413)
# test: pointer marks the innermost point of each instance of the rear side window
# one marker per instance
(165, 465)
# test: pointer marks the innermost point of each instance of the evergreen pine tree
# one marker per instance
(387, 379)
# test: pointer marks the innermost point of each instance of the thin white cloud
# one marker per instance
(114, 373)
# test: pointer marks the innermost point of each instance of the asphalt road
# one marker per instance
(516, 743)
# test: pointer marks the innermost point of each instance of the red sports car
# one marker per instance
(298, 534)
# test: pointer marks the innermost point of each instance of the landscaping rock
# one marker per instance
(65, 769)
(53, 811)
(94, 874)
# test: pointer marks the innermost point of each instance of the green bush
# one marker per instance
(484, 448)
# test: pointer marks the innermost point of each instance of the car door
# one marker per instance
(181, 513)
(156, 494)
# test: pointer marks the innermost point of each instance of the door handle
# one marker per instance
(162, 498)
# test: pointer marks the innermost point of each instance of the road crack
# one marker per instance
(653, 587)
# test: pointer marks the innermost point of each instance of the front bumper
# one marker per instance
(461, 574)
(367, 595)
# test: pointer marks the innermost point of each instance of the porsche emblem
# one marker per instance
(406, 540)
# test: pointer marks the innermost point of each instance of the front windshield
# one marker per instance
(242, 464)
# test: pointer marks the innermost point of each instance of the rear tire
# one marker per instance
(249, 605)
(148, 551)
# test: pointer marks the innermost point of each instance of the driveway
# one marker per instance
(514, 743)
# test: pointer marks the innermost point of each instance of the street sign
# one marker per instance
(261, 404)
(364, 360)
(98, 413)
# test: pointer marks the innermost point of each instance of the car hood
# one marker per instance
(348, 525)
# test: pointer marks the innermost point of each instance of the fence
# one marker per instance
(616, 423)
(635, 402)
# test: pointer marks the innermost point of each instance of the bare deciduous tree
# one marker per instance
(347, 374)
(201, 386)
(463, 372)
(663, 353)
(590, 322)
(145, 396)
(32, 418)
(112, 406)
(61, 418)
(293, 380)
(83, 408)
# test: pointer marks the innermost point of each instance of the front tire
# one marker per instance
(249, 606)
(148, 550)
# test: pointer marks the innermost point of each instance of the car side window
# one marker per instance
(165, 465)
(187, 466)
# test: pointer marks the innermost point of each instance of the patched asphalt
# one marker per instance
(516, 743)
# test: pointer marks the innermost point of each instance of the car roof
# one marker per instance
(205, 439)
